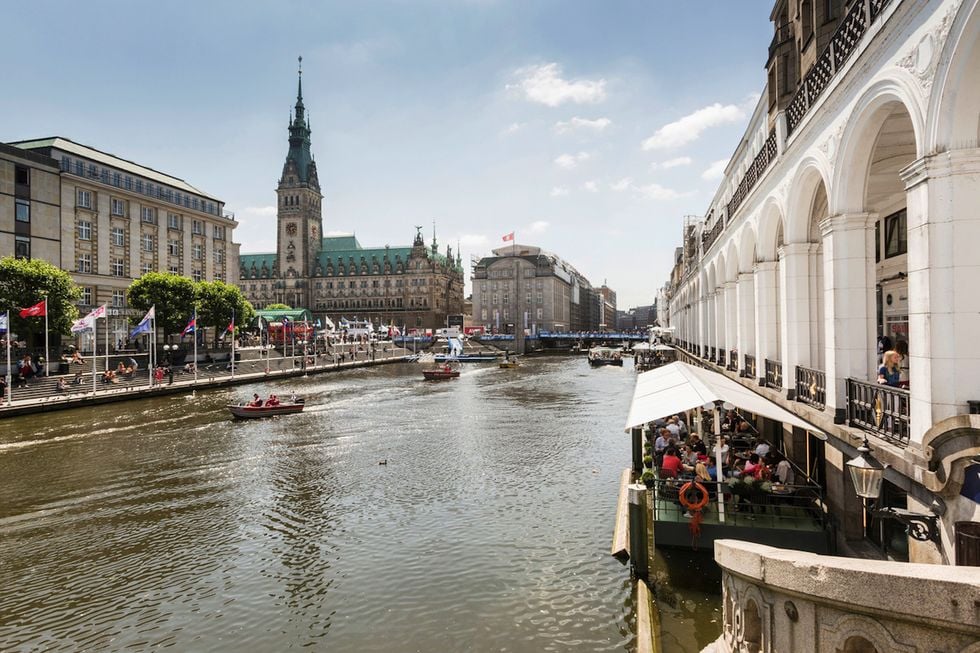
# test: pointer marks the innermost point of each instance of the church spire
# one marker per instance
(299, 134)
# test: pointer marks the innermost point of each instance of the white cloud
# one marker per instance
(559, 191)
(538, 227)
(623, 184)
(676, 163)
(689, 128)
(512, 128)
(569, 161)
(473, 240)
(591, 186)
(658, 192)
(597, 125)
(716, 170)
(543, 84)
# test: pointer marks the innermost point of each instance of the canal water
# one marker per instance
(162, 523)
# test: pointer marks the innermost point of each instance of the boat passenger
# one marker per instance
(273, 400)
(256, 401)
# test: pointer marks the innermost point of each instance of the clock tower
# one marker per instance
(299, 219)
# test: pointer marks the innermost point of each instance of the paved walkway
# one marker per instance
(42, 394)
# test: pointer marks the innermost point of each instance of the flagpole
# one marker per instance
(106, 340)
(232, 343)
(95, 352)
(46, 364)
(10, 379)
(195, 344)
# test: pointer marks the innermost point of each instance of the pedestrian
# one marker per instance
(889, 373)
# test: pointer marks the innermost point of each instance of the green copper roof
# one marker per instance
(247, 261)
(299, 136)
(338, 243)
(276, 315)
(373, 255)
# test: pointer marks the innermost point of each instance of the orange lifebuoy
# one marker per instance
(688, 504)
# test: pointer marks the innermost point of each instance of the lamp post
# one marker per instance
(868, 475)
(167, 350)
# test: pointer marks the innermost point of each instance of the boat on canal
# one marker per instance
(599, 356)
(441, 373)
(246, 411)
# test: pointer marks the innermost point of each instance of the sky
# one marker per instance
(588, 128)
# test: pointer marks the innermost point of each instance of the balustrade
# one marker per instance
(732, 361)
(774, 374)
(879, 409)
(811, 387)
(749, 371)
(762, 160)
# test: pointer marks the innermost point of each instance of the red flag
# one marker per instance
(509, 236)
(231, 326)
(37, 310)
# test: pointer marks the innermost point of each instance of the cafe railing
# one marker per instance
(879, 409)
(811, 387)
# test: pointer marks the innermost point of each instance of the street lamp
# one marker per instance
(167, 350)
(868, 474)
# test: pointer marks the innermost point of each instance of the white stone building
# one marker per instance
(849, 211)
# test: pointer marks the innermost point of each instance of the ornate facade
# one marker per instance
(335, 277)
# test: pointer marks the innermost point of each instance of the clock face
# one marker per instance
(291, 228)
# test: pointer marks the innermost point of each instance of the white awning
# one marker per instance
(680, 386)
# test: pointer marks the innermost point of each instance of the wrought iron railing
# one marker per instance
(811, 387)
(774, 374)
(842, 45)
(708, 238)
(749, 369)
(879, 409)
(712, 353)
(733, 360)
(753, 174)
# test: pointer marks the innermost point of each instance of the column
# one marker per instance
(794, 273)
(745, 330)
(764, 279)
(731, 320)
(718, 319)
(943, 213)
(849, 289)
(702, 341)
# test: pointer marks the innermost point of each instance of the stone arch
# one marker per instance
(834, 636)
(882, 100)
(954, 117)
(812, 173)
(770, 225)
(732, 260)
(746, 248)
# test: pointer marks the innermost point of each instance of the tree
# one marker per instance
(172, 295)
(216, 301)
(25, 282)
(278, 307)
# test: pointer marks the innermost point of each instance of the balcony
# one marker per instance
(752, 176)
(732, 361)
(879, 409)
(774, 374)
(749, 371)
(811, 387)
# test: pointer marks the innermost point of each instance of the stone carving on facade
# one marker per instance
(835, 637)
(831, 143)
(922, 60)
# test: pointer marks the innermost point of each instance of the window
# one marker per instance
(806, 20)
(149, 214)
(117, 268)
(145, 267)
(173, 248)
(22, 176)
(139, 185)
(116, 179)
(86, 296)
(148, 243)
(197, 251)
(173, 221)
(118, 298)
(85, 263)
(118, 236)
(118, 207)
(197, 227)
(83, 199)
(197, 275)
(219, 232)
(84, 230)
(22, 247)
(129, 183)
(219, 256)
(22, 210)
(896, 234)
(174, 270)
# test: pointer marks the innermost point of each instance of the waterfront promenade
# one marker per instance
(42, 395)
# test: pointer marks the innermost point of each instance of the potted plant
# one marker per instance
(648, 461)
(648, 478)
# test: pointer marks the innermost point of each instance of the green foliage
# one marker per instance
(25, 282)
(217, 300)
(648, 478)
(648, 461)
(278, 307)
(173, 296)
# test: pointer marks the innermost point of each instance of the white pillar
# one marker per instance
(731, 318)
(702, 339)
(718, 315)
(943, 214)
(849, 288)
(745, 331)
(794, 273)
(764, 278)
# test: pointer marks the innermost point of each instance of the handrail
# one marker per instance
(749, 370)
(879, 409)
(774, 374)
(811, 387)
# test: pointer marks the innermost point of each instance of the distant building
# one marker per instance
(639, 317)
(411, 286)
(117, 220)
(608, 317)
(30, 205)
(525, 285)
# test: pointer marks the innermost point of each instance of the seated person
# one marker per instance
(121, 368)
(762, 449)
(273, 400)
(76, 358)
(753, 467)
(697, 444)
(188, 368)
(61, 387)
(77, 379)
(256, 401)
(672, 466)
(784, 471)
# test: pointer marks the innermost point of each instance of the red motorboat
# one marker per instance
(244, 411)
(439, 373)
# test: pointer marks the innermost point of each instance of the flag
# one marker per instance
(37, 310)
(190, 328)
(231, 326)
(3, 323)
(144, 324)
(87, 323)
(509, 237)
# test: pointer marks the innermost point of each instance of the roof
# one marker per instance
(344, 256)
(247, 261)
(332, 243)
(276, 314)
(679, 386)
(125, 165)
(27, 155)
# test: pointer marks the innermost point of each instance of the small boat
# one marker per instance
(439, 373)
(605, 356)
(466, 358)
(506, 365)
(244, 411)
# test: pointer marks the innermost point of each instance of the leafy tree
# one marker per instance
(25, 282)
(278, 307)
(216, 301)
(172, 294)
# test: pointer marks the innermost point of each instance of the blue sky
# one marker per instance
(589, 128)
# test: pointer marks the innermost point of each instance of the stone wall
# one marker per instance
(781, 600)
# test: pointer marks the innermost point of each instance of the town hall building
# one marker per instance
(335, 277)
